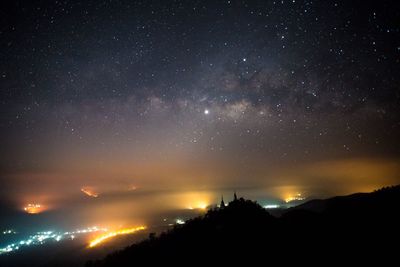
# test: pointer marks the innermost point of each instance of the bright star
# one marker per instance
(206, 111)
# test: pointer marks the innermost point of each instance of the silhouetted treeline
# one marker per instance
(360, 228)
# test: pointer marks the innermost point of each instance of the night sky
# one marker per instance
(198, 95)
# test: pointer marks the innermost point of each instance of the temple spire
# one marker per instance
(222, 205)
(234, 196)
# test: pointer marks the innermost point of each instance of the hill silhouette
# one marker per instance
(355, 228)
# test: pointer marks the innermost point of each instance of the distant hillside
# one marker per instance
(384, 200)
(355, 228)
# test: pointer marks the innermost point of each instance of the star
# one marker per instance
(175, 83)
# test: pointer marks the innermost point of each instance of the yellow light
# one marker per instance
(193, 200)
(109, 235)
(199, 205)
(89, 192)
(33, 208)
(298, 197)
(132, 188)
(202, 206)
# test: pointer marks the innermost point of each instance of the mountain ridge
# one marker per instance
(244, 231)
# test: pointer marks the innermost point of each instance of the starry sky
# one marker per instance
(199, 95)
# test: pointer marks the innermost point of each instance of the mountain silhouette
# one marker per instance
(358, 228)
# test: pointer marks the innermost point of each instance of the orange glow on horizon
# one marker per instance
(132, 188)
(199, 205)
(195, 200)
(295, 197)
(289, 193)
(89, 192)
(34, 208)
(102, 238)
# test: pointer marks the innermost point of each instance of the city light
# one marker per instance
(199, 205)
(133, 188)
(89, 192)
(194, 200)
(41, 238)
(103, 238)
(180, 221)
(33, 208)
(203, 205)
(297, 197)
(9, 232)
(272, 206)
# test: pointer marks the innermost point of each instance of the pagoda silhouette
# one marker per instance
(222, 204)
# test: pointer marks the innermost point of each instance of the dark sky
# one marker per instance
(198, 94)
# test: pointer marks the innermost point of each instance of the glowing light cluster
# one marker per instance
(9, 232)
(89, 192)
(195, 200)
(33, 208)
(180, 221)
(107, 236)
(271, 206)
(199, 205)
(297, 197)
(133, 188)
(40, 238)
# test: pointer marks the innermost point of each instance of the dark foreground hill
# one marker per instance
(356, 228)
